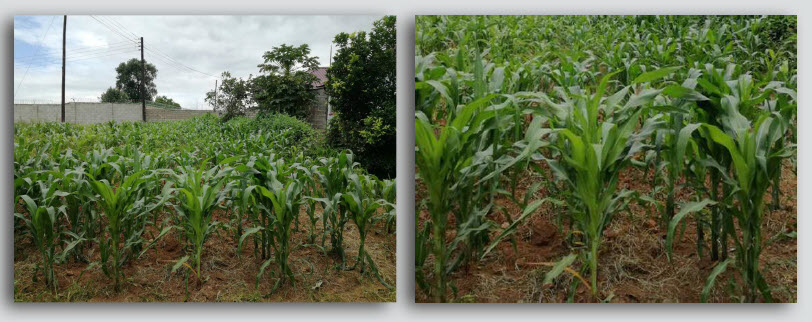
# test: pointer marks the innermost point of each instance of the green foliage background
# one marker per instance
(361, 85)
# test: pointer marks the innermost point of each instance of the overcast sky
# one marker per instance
(208, 44)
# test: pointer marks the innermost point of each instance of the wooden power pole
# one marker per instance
(215, 95)
(64, 28)
(143, 83)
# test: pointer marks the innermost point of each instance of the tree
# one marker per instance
(114, 95)
(361, 85)
(286, 59)
(233, 96)
(128, 79)
(167, 102)
(287, 85)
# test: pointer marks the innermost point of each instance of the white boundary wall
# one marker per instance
(83, 113)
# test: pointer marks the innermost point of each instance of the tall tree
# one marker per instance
(361, 85)
(286, 85)
(128, 79)
(233, 96)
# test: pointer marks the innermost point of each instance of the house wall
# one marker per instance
(318, 110)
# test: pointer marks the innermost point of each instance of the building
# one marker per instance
(320, 112)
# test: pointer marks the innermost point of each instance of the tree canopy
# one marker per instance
(361, 85)
(233, 96)
(286, 59)
(114, 95)
(166, 102)
(128, 79)
(286, 85)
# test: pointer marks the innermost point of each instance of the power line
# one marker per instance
(159, 52)
(81, 58)
(116, 23)
(113, 29)
(168, 62)
(109, 54)
(174, 66)
(40, 46)
(42, 58)
(53, 51)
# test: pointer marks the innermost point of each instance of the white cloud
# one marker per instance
(210, 44)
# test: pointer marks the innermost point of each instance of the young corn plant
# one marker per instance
(312, 192)
(122, 206)
(593, 152)
(266, 170)
(77, 207)
(198, 193)
(442, 154)
(286, 200)
(332, 177)
(41, 223)
(756, 154)
(362, 210)
(388, 196)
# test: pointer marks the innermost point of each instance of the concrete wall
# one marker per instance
(91, 113)
(83, 113)
(159, 114)
(317, 115)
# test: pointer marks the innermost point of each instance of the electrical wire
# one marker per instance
(54, 51)
(113, 29)
(159, 52)
(40, 46)
(75, 54)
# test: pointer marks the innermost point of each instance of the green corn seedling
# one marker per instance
(362, 211)
(122, 205)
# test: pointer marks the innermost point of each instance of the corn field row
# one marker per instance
(104, 195)
(705, 105)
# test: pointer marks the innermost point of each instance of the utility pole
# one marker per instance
(143, 84)
(215, 95)
(64, 28)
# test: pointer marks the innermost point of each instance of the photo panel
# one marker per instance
(204, 158)
(593, 159)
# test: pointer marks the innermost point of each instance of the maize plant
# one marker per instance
(198, 193)
(388, 196)
(43, 227)
(313, 192)
(122, 206)
(286, 201)
(119, 188)
(592, 155)
(332, 177)
(446, 154)
(581, 104)
(362, 211)
(756, 155)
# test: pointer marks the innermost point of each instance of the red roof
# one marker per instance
(321, 74)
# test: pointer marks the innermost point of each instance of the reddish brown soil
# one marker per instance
(633, 266)
(225, 277)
